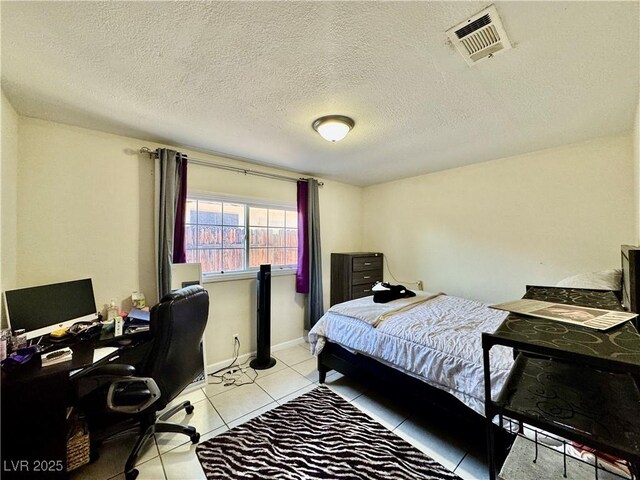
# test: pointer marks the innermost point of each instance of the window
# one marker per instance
(238, 236)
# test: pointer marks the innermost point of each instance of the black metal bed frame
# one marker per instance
(396, 383)
(335, 357)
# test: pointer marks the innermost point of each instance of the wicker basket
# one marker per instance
(78, 452)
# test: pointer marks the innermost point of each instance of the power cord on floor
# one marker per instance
(236, 351)
(232, 373)
(245, 371)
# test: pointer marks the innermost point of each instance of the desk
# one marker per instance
(35, 401)
(574, 382)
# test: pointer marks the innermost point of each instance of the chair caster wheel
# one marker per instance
(131, 475)
(195, 438)
(188, 409)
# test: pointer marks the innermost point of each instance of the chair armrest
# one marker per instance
(91, 379)
(132, 395)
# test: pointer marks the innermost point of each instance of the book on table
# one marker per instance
(595, 318)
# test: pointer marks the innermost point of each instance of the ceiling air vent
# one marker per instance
(480, 36)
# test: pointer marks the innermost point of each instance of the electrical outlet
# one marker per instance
(420, 285)
(236, 338)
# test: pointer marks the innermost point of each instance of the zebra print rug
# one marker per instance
(315, 436)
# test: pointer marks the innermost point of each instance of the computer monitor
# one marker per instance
(45, 308)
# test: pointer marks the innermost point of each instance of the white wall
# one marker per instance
(341, 225)
(636, 165)
(8, 195)
(485, 231)
(86, 209)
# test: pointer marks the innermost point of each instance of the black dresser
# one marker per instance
(353, 274)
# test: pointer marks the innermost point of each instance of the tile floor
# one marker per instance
(219, 408)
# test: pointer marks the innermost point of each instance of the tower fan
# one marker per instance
(263, 358)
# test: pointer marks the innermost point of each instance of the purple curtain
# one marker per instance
(179, 253)
(302, 273)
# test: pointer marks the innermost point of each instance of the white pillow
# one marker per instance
(603, 280)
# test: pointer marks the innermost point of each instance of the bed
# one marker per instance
(430, 349)
(433, 340)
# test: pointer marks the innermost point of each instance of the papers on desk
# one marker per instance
(137, 328)
(139, 316)
(100, 353)
(138, 321)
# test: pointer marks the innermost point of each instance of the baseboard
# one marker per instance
(290, 343)
(245, 356)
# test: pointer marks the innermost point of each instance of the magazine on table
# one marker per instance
(595, 318)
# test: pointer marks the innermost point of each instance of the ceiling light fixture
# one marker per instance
(333, 128)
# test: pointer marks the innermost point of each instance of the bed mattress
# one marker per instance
(438, 341)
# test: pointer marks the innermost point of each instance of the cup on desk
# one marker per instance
(138, 300)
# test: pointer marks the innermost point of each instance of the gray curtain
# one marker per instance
(314, 308)
(170, 172)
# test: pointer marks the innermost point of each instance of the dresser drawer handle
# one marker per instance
(367, 290)
(367, 263)
(367, 276)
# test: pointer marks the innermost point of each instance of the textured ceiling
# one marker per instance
(248, 78)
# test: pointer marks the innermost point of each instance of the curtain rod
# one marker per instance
(222, 166)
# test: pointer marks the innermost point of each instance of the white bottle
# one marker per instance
(112, 312)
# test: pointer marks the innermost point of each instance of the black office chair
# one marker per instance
(175, 359)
